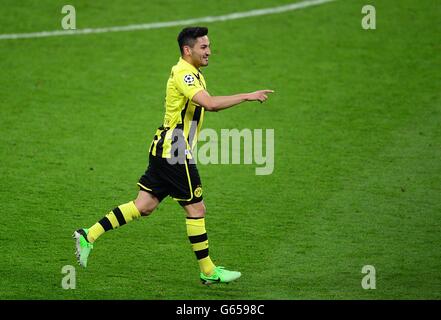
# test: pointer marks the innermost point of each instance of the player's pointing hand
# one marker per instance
(260, 95)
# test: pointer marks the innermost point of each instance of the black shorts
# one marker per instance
(181, 181)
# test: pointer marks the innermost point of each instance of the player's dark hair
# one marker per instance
(189, 35)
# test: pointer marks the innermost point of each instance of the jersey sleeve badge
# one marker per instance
(189, 79)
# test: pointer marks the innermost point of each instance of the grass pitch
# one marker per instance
(357, 174)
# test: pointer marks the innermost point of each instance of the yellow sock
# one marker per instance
(114, 219)
(199, 242)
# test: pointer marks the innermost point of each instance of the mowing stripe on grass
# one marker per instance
(167, 24)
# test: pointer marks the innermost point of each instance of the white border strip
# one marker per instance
(158, 25)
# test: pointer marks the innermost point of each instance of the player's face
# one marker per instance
(200, 52)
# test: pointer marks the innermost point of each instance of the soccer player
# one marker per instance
(186, 101)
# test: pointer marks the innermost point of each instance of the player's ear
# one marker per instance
(186, 50)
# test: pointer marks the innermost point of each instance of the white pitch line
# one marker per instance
(158, 25)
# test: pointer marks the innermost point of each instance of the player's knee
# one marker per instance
(202, 210)
(196, 210)
(146, 203)
(145, 206)
(146, 209)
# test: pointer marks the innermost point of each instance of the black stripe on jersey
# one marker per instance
(178, 141)
(152, 145)
(119, 216)
(198, 76)
(184, 111)
(176, 136)
(194, 123)
(160, 144)
(199, 238)
(197, 114)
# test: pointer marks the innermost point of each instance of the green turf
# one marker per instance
(357, 172)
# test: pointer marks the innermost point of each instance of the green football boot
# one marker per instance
(82, 246)
(220, 275)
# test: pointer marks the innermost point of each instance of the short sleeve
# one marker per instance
(187, 83)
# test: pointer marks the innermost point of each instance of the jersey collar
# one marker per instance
(188, 65)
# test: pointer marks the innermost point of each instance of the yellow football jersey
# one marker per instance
(183, 118)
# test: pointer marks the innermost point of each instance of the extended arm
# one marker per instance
(218, 103)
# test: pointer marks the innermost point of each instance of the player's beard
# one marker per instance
(199, 60)
(204, 61)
